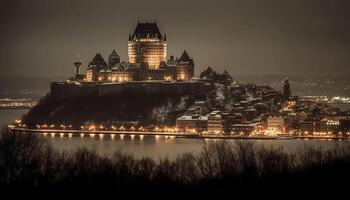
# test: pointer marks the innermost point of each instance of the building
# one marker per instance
(95, 66)
(311, 126)
(147, 60)
(261, 108)
(192, 124)
(147, 45)
(185, 67)
(332, 125)
(247, 128)
(212, 76)
(250, 114)
(113, 59)
(276, 124)
(228, 119)
(199, 108)
(215, 123)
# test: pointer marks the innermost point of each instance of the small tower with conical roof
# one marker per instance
(185, 67)
(113, 59)
(97, 64)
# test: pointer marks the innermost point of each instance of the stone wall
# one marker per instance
(63, 90)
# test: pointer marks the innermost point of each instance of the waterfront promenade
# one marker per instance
(141, 134)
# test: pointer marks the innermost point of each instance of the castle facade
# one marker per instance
(147, 50)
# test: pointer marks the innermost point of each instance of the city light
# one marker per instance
(92, 127)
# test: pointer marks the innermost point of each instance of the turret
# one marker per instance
(113, 59)
(185, 67)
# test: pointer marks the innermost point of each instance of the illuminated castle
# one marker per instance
(148, 45)
(147, 49)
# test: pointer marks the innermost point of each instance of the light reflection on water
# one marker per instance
(148, 146)
(151, 146)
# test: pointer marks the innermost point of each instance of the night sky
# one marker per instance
(247, 37)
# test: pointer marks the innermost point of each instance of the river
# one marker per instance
(155, 148)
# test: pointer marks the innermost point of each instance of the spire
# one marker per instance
(114, 52)
(164, 37)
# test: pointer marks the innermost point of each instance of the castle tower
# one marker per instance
(185, 67)
(97, 64)
(147, 45)
(113, 59)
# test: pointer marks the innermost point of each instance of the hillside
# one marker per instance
(79, 110)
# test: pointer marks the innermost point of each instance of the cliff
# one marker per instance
(149, 105)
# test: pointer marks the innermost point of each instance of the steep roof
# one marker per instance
(227, 75)
(144, 29)
(208, 73)
(114, 54)
(98, 60)
(184, 57)
(118, 66)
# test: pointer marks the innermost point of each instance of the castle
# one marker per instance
(146, 72)
(147, 51)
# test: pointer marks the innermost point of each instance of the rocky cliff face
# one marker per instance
(146, 109)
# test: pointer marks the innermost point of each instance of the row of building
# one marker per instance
(216, 123)
(220, 123)
(250, 109)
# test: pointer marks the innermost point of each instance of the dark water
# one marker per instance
(157, 148)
